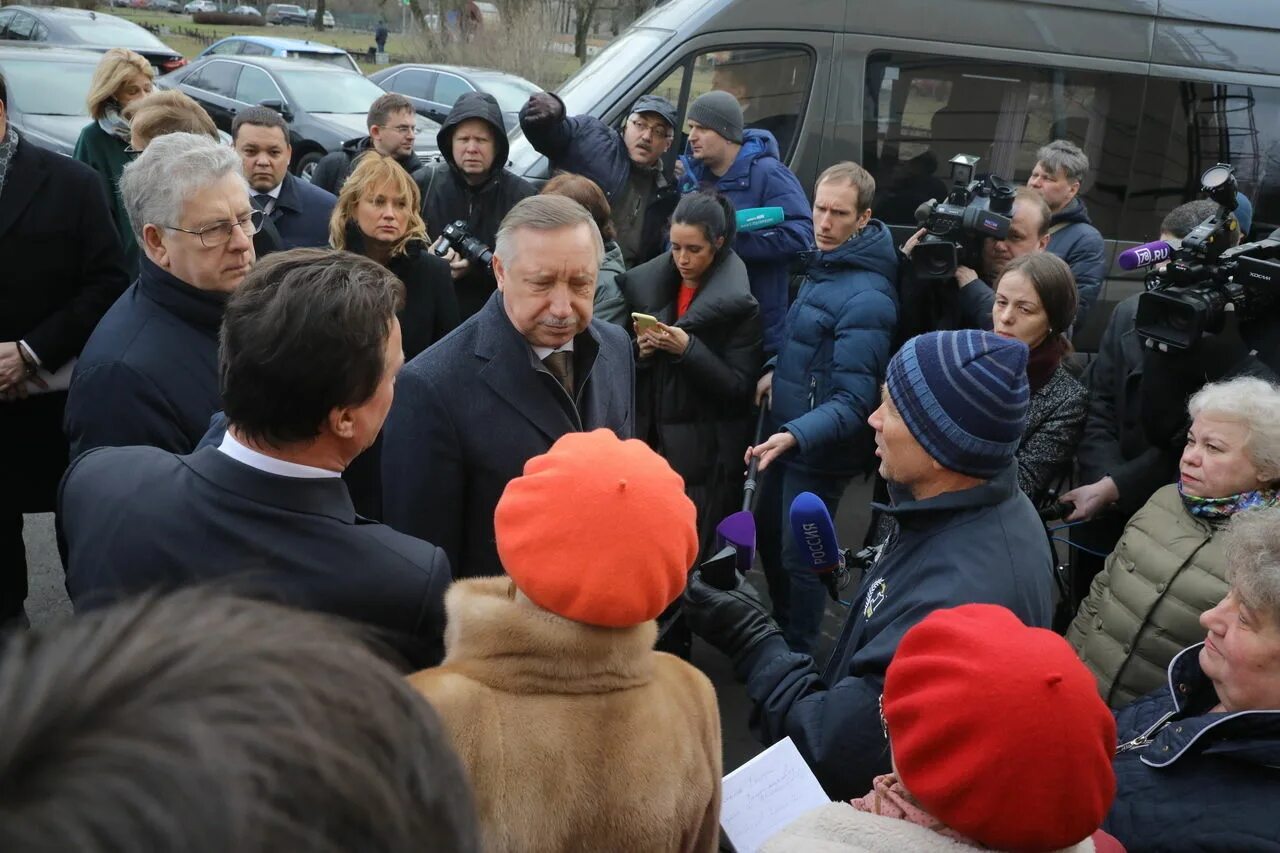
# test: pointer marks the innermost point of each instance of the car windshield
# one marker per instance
(325, 92)
(284, 8)
(510, 94)
(115, 32)
(339, 59)
(47, 87)
(584, 91)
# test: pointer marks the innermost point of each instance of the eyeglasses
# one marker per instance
(219, 233)
(403, 129)
(657, 130)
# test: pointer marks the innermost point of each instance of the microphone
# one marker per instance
(754, 218)
(1145, 255)
(815, 534)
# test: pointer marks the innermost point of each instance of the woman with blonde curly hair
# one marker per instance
(121, 78)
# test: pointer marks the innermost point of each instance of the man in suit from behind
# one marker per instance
(296, 213)
(527, 368)
(308, 361)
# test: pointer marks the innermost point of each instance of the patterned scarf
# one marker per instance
(7, 147)
(888, 798)
(114, 124)
(1220, 509)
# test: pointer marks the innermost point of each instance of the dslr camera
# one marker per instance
(974, 210)
(458, 237)
(1207, 276)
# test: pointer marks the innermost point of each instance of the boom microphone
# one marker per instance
(815, 536)
(754, 218)
(1145, 255)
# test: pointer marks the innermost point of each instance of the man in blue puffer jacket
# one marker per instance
(743, 166)
(824, 383)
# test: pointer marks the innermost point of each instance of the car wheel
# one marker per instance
(306, 165)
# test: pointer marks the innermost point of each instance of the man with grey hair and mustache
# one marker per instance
(527, 368)
(149, 372)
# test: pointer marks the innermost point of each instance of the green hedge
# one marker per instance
(228, 18)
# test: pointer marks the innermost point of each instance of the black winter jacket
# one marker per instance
(1197, 780)
(587, 146)
(695, 409)
(334, 168)
(447, 197)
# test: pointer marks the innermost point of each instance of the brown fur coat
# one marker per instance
(575, 737)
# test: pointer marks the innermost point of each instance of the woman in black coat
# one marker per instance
(377, 216)
(697, 366)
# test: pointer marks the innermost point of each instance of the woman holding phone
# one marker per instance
(698, 353)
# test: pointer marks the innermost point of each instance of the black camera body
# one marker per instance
(458, 237)
(1206, 277)
(956, 227)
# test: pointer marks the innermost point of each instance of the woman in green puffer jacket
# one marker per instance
(1169, 565)
(121, 78)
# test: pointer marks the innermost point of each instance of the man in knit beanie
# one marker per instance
(745, 166)
(575, 732)
(952, 412)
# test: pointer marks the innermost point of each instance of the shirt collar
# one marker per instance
(543, 352)
(270, 464)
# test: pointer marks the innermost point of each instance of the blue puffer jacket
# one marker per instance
(1188, 779)
(835, 350)
(758, 178)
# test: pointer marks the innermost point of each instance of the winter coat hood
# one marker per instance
(756, 144)
(872, 250)
(1071, 214)
(479, 105)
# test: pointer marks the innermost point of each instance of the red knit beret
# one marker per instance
(598, 530)
(998, 731)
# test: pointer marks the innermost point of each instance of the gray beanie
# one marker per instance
(718, 111)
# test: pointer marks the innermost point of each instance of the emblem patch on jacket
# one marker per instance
(875, 597)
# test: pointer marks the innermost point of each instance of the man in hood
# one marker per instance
(472, 186)
(1060, 168)
(392, 125)
(744, 166)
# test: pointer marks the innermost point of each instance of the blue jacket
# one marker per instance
(1080, 244)
(149, 372)
(1198, 780)
(758, 178)
(983, 544)
(301, 214)
(835, 349)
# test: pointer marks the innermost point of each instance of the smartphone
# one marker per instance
(643, 321)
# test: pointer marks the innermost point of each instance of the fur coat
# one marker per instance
(575, 737)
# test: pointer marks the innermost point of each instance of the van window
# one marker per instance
(771, 83)
(920, 111)
(1188, 127)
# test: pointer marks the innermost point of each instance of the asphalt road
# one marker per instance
(47, 603)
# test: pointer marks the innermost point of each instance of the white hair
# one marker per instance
(544, 213)
(172, 168)
(1252, 543)
(1256, 404)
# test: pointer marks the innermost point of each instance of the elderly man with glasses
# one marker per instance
(626, 163)
(149, 372)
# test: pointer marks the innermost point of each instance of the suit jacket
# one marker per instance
(139, 518)
(471, 410)
(299, 218)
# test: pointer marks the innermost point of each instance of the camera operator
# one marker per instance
(471, 186)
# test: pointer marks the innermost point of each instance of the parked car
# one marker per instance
(435, 88)
(324, 105)
(286, 13)
(247, 10)
(282, 47)
(329, 23)
(200, 6)
(47, 88)
(163, 5)
(56, 25)
(123, 4)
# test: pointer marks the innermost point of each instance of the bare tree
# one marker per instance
(319, 22)
(586, 10)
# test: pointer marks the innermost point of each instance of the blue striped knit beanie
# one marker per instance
(964, 397)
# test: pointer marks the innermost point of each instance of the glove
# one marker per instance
(542, 106)
(735, 622)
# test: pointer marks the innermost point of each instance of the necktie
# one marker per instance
(561, 366)
(262, 201)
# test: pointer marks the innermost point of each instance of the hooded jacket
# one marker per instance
(609, 305)
(447, 197)
(1078, 243)
(695, 409)
(575, 737)
(758, 178)
(984, 544)
(835, 350)
(1197, 780)
(335, 167)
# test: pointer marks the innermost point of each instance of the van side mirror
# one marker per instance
(279, 106)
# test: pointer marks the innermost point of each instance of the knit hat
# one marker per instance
(963, 396)
(598, 530)
(998, 731)
(718, 111)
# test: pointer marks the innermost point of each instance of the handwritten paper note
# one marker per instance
(764, 795)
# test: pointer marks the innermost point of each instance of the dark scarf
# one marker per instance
(1044, 361)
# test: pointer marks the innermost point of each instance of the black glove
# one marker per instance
(542, 106)
(735, 622)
